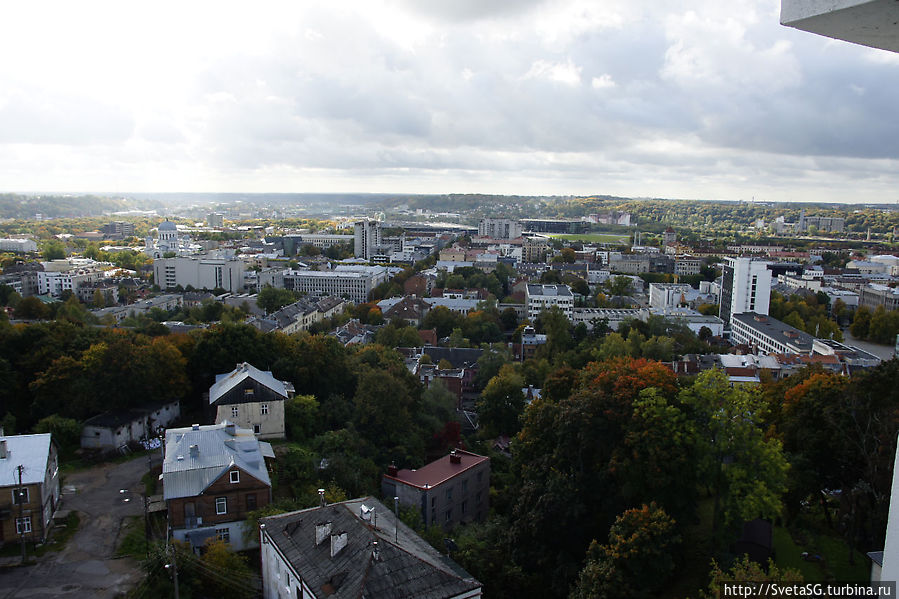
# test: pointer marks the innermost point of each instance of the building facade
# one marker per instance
(200, 273)
(452, 490)
(366, 238)
(251, 398)
(745, 287)
(212, 476)
(544, 297)
(27, 508)
(499, 228)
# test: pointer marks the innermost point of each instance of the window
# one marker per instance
(478, 499)
(448, 515)
(449, 494)
(256, 429)
(480, 476)
(248, 392)
(20, 495)
(235, 476)
(221, 505)
(433, 502)
(263, 409)
(464, 486)
(223, 534)
(23, 525)
(464, 506)
(234, 411)
(251, 502)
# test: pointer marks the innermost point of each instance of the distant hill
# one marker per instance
(61, 206)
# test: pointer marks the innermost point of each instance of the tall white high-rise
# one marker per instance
(745, 287)
(367, 237)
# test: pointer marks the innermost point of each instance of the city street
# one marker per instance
(86, 567)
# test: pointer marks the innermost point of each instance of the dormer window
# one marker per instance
(235, 476)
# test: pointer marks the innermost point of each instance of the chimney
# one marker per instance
(230, 428)
(3, 452)
(194, 451)
(195, 427)
(375, 551)
(391, 469)
(455, 458)
(321, 532)
(338, 542)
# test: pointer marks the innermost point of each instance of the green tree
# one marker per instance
(272, 299)
(746, 472)
(31, 308)
(637, 561)
(301, 418)
(744, 570)
(66, 432)
(860, 323)
(619, 285)
(54, 250)
(502, 402)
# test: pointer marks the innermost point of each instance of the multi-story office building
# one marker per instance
(200, 273)
(367, 238)
(352, 285)
(769, 335)
(745, 287)
(544, 297)
(499, 228)
(118, 229)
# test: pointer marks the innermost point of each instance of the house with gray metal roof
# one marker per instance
(212, 476)
(355, 548)
(251, 398)
(29, 486)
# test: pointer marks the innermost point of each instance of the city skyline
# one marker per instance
(692, 100)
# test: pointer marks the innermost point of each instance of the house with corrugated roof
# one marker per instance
(355, 548)
(252, 398)
(212, 477)
(29, 486)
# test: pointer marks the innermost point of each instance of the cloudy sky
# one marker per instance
(690, 99)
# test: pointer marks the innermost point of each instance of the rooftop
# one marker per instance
(226, 382)
(30, 451)
(401, 566)
(439, 471)
(549, 290)
(187, 472)
(775, 329)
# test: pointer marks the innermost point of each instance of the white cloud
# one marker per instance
(690, 98)
(604, 81)
(567, 73)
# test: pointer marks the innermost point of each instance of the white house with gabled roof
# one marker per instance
(251, 398)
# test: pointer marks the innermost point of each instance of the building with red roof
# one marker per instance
(454, 489)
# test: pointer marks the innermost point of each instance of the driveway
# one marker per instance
(86, 566)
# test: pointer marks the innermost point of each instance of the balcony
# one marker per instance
(866, 22)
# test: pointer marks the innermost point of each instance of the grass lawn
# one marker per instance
(810, 534)
(134, 541)
(593, 237)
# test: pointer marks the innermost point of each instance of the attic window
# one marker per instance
(248, 391)
(235, 476)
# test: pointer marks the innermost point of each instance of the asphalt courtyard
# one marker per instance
(87, 566)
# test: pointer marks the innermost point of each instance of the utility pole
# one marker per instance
(174, 566)
(147, 505)
(21, 522)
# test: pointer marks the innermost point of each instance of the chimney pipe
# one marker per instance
(3, 451)
(321, 497)
(455, 458)
(392, 469)
(194, 451)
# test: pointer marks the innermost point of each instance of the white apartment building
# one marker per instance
(200, 273)
(19, 246)
(745, 287)
(499, 228)
(544, 297)
(352, 285)
(366, 238)
(63, 275)
(668, 295)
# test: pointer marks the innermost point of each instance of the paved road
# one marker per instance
(884, 352)
(86, 566)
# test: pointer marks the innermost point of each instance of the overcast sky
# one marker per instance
(689, 99)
